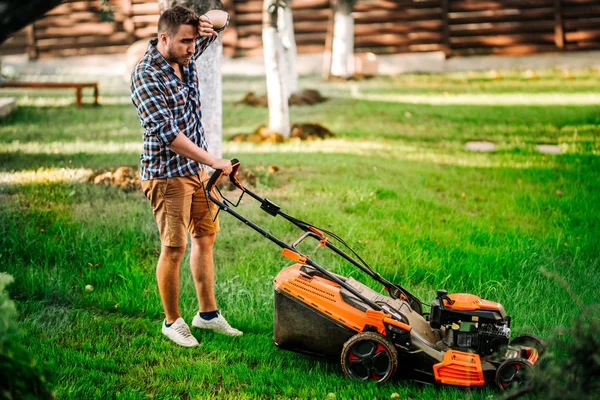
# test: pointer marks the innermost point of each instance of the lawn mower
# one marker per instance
(462, 340)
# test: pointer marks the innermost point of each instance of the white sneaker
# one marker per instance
(179, 332)
(218, 324)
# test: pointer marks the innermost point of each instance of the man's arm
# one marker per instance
(209, 26)
(219, 19)
(188, 149)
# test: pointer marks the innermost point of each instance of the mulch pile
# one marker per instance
(123, 177)
(305, 97)
(305, 132)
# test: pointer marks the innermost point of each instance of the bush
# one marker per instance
(570, 368)
(21, 377)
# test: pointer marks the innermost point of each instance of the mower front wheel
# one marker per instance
(513, 373)
(369, 356)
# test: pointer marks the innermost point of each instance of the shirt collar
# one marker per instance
(160, 60)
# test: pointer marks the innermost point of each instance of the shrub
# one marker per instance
(21, 377)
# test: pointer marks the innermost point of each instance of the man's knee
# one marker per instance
(172, 254)
(205, 242)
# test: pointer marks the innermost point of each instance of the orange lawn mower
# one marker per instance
(463, 340)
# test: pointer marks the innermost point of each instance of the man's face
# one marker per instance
(180, 47)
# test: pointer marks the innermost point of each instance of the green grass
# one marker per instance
(396, 183)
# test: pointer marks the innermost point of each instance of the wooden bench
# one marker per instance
(78, 86)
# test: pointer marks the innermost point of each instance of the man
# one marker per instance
(164, 89)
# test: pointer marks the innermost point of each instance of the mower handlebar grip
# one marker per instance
(216, 176)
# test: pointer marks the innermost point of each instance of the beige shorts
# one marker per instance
(180, 206)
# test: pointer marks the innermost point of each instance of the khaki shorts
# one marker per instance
(180, 206)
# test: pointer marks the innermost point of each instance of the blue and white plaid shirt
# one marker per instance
(167, 106)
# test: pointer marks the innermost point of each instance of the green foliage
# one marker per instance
(21, 377)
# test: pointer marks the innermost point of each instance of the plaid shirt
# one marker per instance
(167, 106)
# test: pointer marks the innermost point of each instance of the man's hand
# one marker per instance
(205, 27)
(223, 165)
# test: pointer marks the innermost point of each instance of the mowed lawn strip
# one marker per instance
(396, 183)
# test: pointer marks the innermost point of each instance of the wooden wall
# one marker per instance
(457, 27)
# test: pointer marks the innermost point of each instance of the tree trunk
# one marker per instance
(279, 116)
(209, 77)
(285, 26)
(342, 57)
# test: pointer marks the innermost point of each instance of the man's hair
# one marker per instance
(174, 17)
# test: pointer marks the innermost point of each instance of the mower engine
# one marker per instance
(468, 323)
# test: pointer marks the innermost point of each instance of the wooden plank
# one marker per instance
(583, 36)
(582, 46)
(144, 19)
(397, 5)
(253, 6)
(494, 28)
(145, 9)
(501, 40)
(509, 15)
(146, 32)
(88, 29)
(405, 15)
(82, 41)
(581, 23)
(483, 5)
(391, 39)
(67, 20)
(510, 50)
(581, 11)
(83, 51)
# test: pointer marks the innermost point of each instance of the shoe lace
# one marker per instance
(183, 330)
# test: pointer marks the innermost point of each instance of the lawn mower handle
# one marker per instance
(216, 176)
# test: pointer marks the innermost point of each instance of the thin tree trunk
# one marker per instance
(279, 117)
(342, 57)
(285, 25)
(209, 77)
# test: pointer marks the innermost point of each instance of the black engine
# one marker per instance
(484, 331)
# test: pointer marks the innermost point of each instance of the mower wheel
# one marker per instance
(513, 373)
(527, 339)
(369, 356)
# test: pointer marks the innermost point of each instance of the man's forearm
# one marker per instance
(186, 148)
(217, 17)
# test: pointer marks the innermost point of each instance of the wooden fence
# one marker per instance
(457, 27)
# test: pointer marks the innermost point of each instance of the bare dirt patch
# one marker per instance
(481, 146)
(549, 148)
(303, 132)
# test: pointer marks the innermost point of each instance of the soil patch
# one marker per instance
(304, 132)
(482, 146)
(305, 97)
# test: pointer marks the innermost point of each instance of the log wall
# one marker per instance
(457, 27)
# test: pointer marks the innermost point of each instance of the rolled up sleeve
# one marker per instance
(149, 98)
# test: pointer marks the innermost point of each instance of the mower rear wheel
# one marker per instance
(369, 356)
(513, 373)
(527, 339)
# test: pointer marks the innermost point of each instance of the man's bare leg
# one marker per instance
(167, 276)
(203, 271)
